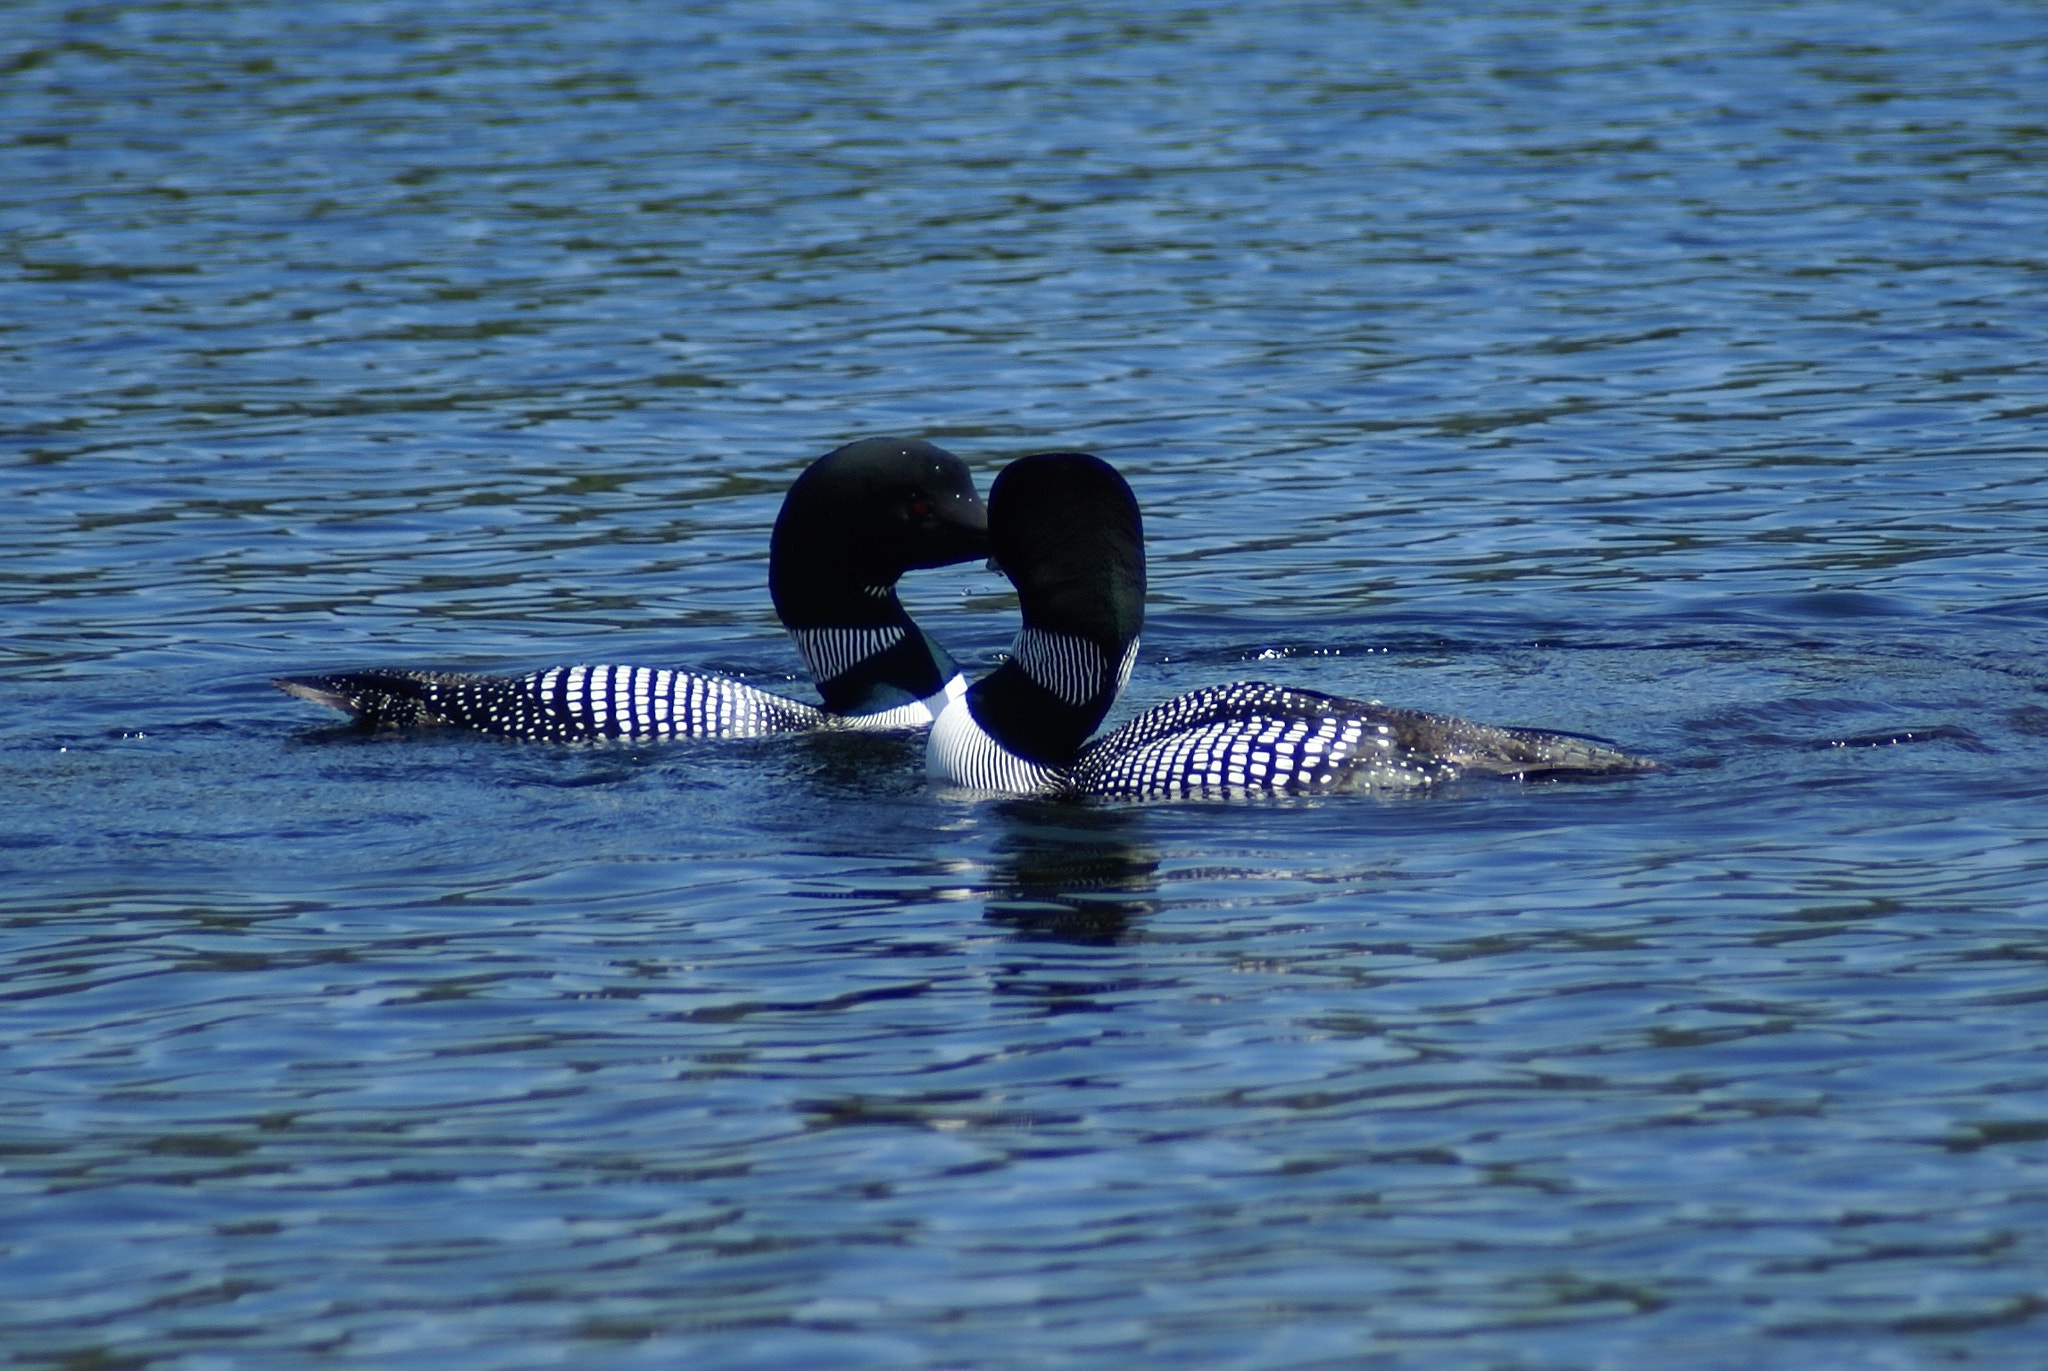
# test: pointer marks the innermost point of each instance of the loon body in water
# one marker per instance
(1065, 528)
(851, 525)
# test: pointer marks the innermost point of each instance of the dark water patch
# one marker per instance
(2031, 720)
(1901, 737)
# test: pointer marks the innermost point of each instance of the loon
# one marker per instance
(1065, 528)
(853, 522)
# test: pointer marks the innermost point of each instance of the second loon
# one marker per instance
(1065, 528)
(853, 522)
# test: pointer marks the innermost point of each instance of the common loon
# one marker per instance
(853, 522)
(1065, 528)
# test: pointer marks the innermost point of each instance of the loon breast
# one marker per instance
(921, 713)
(961, 753)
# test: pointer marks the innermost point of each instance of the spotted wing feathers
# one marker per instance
(561, 704)
(1255, 738)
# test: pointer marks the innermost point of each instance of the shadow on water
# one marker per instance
(836, 765)
(860, 766)
(1071, 873)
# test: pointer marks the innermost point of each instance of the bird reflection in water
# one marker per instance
(1070, 873)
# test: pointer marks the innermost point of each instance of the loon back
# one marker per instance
(1023, 729)
(561, 704)
(1251, 738)
(853, 522)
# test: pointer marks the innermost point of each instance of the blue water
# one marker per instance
(1676, 373)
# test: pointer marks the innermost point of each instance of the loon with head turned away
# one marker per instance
(1065, 529)
(854, 521)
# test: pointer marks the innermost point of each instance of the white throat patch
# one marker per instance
(961, 753)
(1071, 667)
(832, 652)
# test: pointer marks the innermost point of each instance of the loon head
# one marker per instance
(861, 516)
(851, 525)
(1064, 527)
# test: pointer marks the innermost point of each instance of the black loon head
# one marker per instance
(861, 516)
(851, 525)
(1064, 527)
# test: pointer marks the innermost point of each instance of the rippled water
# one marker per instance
(1670, 372)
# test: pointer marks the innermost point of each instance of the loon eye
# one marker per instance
(920, 508)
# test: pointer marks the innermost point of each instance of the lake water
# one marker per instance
(1672, 372)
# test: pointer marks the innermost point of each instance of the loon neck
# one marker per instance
(1065, 528)
(1050, 697)
(808, 595)
(865, 667)
(860, 646)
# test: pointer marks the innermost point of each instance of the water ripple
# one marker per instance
(1666, 375)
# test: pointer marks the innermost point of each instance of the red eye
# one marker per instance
(920, 508)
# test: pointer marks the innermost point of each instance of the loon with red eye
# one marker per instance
(853, 523)
(1065, 528)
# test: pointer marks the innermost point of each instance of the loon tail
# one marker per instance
(377, 699)
(1477, 749)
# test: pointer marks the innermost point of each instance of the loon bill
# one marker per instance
(1065, 528)
(852, 524)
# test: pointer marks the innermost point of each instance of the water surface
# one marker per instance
(1671, 373)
